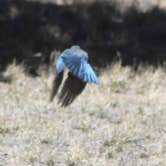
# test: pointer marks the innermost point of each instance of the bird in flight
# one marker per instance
(80, 73)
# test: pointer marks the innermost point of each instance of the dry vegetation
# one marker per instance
(123, 4)
(121, 122)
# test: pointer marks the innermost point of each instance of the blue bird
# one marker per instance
(80, 73)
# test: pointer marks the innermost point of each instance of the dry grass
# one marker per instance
(121, 122)
(123, 4)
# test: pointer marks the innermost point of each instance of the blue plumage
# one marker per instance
(59, 67)
(80, 73)
(76, 60)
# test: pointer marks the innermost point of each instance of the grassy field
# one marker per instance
(121, 122)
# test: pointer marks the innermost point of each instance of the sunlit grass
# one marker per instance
(120, 122)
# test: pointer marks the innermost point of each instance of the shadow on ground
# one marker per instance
(30, 31)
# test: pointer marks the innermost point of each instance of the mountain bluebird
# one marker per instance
(80, 73)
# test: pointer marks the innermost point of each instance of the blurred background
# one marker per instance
(133, 31)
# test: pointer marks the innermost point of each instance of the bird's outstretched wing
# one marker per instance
(72, 87)
(59, 70)
(56, 84)
(87, 74)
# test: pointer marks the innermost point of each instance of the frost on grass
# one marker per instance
(120, 122)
